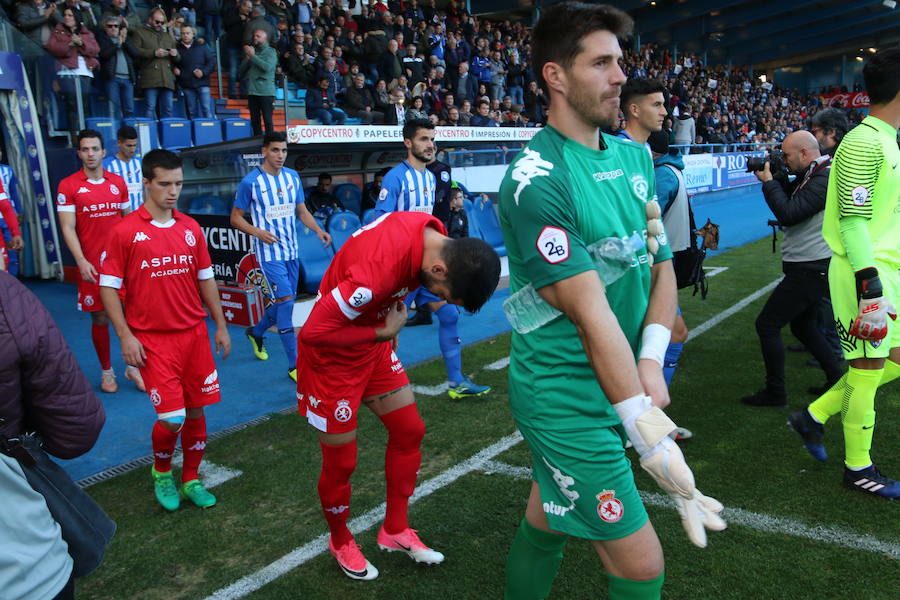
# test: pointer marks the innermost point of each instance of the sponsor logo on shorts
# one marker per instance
(563, 482)
(610, 508)
(155, 398)
(211, 383)
(189, 238)
(336, 510)
(211, 377)
(88, 300)
(343, 412)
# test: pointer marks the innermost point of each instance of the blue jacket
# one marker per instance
(666, 181)
(198, 56)
(315, 102)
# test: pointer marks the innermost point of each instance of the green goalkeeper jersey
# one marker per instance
(558, 197)
(865, 182)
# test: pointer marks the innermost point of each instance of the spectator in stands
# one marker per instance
(188, 12)
(829, 126)
(452, 119)
(513, 118)
(396, 112)
(72, 44)
(258, 69)
(174, 26)
(36, 19)
(157, 48)
(235, 14)
(458, 225)
(374, 48)
(482, 118)
(360, 103)
(413, 65)
(372, 190)
(117, 70)
(464, 85)
(515, 79)
(44, 391)
(256, 22)
(335, 81)
(83, 12)
(498, 75)
(209, 13)
(321, 202)
(391, 66)
(321, 104)
(197, 62)
(120, 8)
(417, 109)
(465, 113)
(685, 128)
(299, 67)
(302, 15)
(278, 10)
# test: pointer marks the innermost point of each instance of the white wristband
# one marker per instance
(654, 342)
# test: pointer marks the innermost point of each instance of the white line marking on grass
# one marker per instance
(703, 328)
(713, 271)
(758, 521)
(212, 473)
(497, 364)
(299, 556)
(431, 390)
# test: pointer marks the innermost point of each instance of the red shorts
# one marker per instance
(179, 371)
(89, 296)
(329, 397)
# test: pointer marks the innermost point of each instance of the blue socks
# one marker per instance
(448, 336)
(284, 320)
(268, 319)
(670, 363)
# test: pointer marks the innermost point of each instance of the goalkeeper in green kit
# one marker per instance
(572, 187)
(862, 226)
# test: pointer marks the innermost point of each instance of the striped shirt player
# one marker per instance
(273, 196)
(407, 188)
(11, 187)
(130, 171)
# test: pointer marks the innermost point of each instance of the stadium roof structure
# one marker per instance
(763, 33)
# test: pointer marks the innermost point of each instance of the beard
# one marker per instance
(420, 155)
(586, 105)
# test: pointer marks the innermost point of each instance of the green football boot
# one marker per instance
(165, 490)
(194, 491)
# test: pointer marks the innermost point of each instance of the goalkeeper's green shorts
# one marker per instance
(587, 487)
(842, 286)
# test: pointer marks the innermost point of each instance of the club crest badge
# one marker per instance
(189, 238)
(610, 508)
(343, 412)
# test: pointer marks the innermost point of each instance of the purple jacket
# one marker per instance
(42, 388)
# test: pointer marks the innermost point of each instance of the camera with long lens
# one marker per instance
(775, 158)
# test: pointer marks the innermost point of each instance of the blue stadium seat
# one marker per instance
(314, 258)
(368, 216)
(148, 136)
(350, 196)
(208, 205)
(341, 226)
(487, 225)
(236, 129)
(107, 127)
(469, 207)
(175, 133)
(206, 131)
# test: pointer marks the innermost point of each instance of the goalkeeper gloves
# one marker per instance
(649, 428)
(874, 310)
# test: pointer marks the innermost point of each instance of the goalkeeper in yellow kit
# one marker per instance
(862, 226)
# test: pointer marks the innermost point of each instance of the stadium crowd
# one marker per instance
(376, 62)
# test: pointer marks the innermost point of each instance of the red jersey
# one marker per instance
(378, 266)
(160, 265)
(97, 206)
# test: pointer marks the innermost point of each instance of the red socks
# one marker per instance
(401, 463)
(163, 447)
(100, 336)
(338, 464)
(193, 444)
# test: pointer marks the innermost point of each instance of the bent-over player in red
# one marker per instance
(160, 257)
(347, 358)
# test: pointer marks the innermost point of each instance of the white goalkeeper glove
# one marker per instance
(871, 322)
(648, 428)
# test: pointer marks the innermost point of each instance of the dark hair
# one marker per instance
(89, 133)
(414, 125)
(639, 87)
(382, 172)
(473, 270)
(558, 34)
(480, 102)
(126, 132)
(272, 137)
(659, 141)
(882, 75)
(324, 175)
(164, 159)
(831, 120)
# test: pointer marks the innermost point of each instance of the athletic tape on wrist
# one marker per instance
(654, 342)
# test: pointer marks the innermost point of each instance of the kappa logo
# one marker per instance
(563, 482)
(189, 238)
(313, 401)
(155, 398)
(163, 455)
(608, 175)
(83, 190)
(114, 189)
(198, 445)
(610, 508)
(400, 293)
(343, 412)
(528, 167)
(336, 510)
(360, 297)
(140, 236)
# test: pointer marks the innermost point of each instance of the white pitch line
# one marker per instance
(497, 364)
(713, 271)
(758, 521)
(431, 390)
(299, 556)
(703, 328)
(212, 473)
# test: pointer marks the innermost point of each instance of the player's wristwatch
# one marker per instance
(868, 284)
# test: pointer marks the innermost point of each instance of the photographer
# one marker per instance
(805, 255)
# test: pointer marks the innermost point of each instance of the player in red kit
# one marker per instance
(347, 358)
(160, 258)
(9, 216)
(90, 202)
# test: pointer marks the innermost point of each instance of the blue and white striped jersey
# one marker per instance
(272, 203)
(405, 188)
(11, 185)
(130, 171)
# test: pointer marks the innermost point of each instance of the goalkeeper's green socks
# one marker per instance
(858, 415)
(631, 589)
(532, 563)
(891, 372)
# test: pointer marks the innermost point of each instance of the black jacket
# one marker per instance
(458, 224)
(107, 57)
(793, 206)
(198, 56)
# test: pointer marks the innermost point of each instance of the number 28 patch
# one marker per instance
(553, 244)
